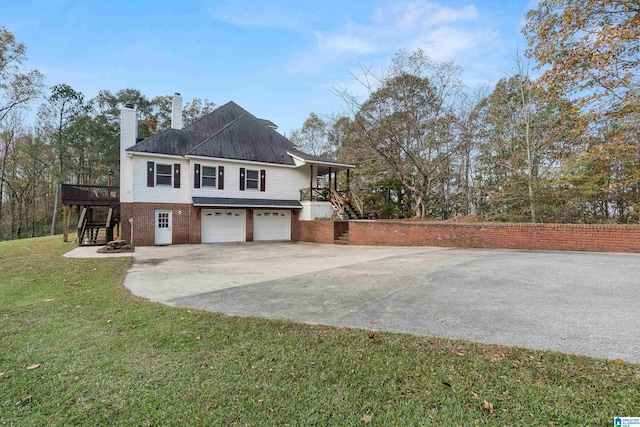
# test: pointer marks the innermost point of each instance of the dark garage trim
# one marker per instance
(225, 202)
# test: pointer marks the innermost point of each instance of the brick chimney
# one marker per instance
(176, 112)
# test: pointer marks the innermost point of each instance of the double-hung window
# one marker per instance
(163, 174)
(253, 178)
(209, 176)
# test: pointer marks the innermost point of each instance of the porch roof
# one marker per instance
(228, 202)
(323, 165)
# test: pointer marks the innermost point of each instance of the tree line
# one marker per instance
(72, 140)
(559, 147)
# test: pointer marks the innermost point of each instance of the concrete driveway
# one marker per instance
(572, 302)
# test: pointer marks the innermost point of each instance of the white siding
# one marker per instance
(315, 210)
(126, 179)
(280, 182)
(160, 193)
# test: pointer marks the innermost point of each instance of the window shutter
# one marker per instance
(220, 177)
(196, 175)
(151, 169)
(176, 175)
(262, 180)
(241, 179)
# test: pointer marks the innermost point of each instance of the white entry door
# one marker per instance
(163, 228)
(271, 225)
(224, 225)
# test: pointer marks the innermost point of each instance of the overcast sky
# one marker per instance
(277, 59)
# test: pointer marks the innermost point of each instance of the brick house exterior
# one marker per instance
(229, 176)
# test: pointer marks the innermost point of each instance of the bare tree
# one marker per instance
(408, 120)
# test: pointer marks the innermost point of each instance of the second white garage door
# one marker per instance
(271, 225)
(224, 225)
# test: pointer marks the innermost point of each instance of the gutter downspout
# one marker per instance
(131, 224)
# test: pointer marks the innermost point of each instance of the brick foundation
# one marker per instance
(185, 222)
(562, 237)
(555, 237)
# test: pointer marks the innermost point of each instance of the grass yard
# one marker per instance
(99, 356)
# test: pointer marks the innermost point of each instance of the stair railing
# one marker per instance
(338, 203)
(357, 202)
(82, 225)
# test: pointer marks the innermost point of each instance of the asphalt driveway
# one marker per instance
(573, 302)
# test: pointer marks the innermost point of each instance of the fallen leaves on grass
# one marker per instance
(488, 406)
(34, 366)
(198, 337)
(367, 418)
(372, 335)
(24, 400)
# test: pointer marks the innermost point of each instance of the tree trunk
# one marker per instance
(55, 209)
(419, 207)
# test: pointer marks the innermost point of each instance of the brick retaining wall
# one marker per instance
(318, 231)
(564, 237)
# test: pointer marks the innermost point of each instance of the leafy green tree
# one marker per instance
(527, 137)
(57, 115)
(590, 49)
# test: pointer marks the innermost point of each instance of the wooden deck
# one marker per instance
(90, 195)
(98, 210)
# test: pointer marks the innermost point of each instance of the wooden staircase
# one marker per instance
(347, 205)
(91, 233)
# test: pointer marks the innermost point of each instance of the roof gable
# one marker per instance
(246, 138)
(228, 132)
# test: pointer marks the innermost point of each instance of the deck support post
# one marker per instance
(65, 223)
(348, 174)
(311, 182)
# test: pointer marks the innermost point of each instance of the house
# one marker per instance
(228, 177)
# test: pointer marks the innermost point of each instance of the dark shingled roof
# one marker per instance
(169, 141)
(246, 138)
(228, 132)
(258, 203)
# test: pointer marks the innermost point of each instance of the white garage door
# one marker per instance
(224, 225)
(271, 225)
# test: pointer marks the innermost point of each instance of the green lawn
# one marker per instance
(109, 358)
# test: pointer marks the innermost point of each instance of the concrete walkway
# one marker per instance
(583, 303)
(92, 252)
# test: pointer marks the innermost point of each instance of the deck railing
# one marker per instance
(315, 194)
(338, 199)
(90, 195)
